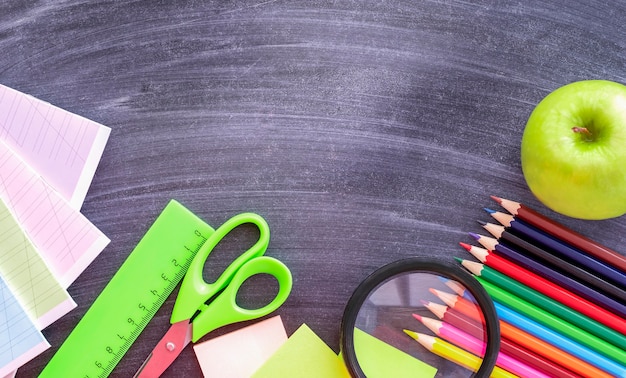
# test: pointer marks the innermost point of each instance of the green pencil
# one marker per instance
(543, 301)
(554, 322)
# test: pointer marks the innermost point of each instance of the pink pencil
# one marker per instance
(473, 345)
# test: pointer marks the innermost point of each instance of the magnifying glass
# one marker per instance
(420, 317)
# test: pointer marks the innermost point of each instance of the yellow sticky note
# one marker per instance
(303, 355)
(379, 359)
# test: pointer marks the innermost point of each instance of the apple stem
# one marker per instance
(584, 131)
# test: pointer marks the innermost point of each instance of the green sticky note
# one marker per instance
(379, 359)
(304, 354)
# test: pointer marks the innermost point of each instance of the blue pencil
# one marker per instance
(562, 342)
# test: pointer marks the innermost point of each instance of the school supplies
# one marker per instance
(21, 340)
(304, 355)
(556, 292)
(553, 322)
(240, 353)
(546, 303)
(132, 297)
(560, 249)
(475, 346)
(562, 232)
(568, 295)
(545, 350)
(381, 360)
(563, 342)
(64, 148)
(507, 346)
(203, 307)
(63, 236)
(48, 157)
(27, 275)
(455, 354)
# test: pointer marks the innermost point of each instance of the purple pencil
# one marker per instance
(557, 262)
(558, 278)
(561, 248)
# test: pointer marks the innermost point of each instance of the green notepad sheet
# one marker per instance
(379, 359)
(28, 276)
(303, 355)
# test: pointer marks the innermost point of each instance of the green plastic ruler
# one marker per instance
(132, 297)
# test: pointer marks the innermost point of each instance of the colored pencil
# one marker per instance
(460, 303)
(507, 346)
(563, 342)
(515, 335)
(555, 261)
(546, 303)
(519, 258)
(553, 322)
(559, 248)
(454, 354)
(556, 292)
(458, 288)
(553, 354)
(471, 344)
(562, 232)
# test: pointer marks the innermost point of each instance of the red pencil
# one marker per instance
(547, 258)
(548, 288)
(524, 346)
(564, 233)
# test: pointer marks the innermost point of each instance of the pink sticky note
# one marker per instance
(63, 147)
(240, 353)
(66, 239)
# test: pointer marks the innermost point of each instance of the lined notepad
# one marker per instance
(21, 341)
(66, 239)
(27, 275)
(64, 148)
(48, 157)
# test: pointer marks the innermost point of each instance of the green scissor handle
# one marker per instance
(194, 291)
(225, 310)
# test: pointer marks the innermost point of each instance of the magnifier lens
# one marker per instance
(417, 323)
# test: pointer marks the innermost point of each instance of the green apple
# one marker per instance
(574, 150)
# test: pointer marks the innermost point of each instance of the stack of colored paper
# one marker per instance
(48, 157)
(560, 297)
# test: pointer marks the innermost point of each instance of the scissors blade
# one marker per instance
(166, 351)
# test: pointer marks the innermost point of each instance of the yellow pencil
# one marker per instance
(455, 354)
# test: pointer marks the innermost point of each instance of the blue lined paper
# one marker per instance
(20, 341)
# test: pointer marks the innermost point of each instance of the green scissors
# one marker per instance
(194, 317)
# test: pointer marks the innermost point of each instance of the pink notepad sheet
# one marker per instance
(240, 353)
(66, 239)
(62, 147)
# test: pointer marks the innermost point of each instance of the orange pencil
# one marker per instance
(527, 341)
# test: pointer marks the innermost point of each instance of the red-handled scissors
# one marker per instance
(194, 317)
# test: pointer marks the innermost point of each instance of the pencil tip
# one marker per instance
(412, 334)
(497, 199)
(418, 317)
(473, 235)
(490, 211)
(466, 246)
(481, 222)
(459, 260)
(424, 302)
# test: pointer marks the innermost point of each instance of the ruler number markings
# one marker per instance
(145, 310)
